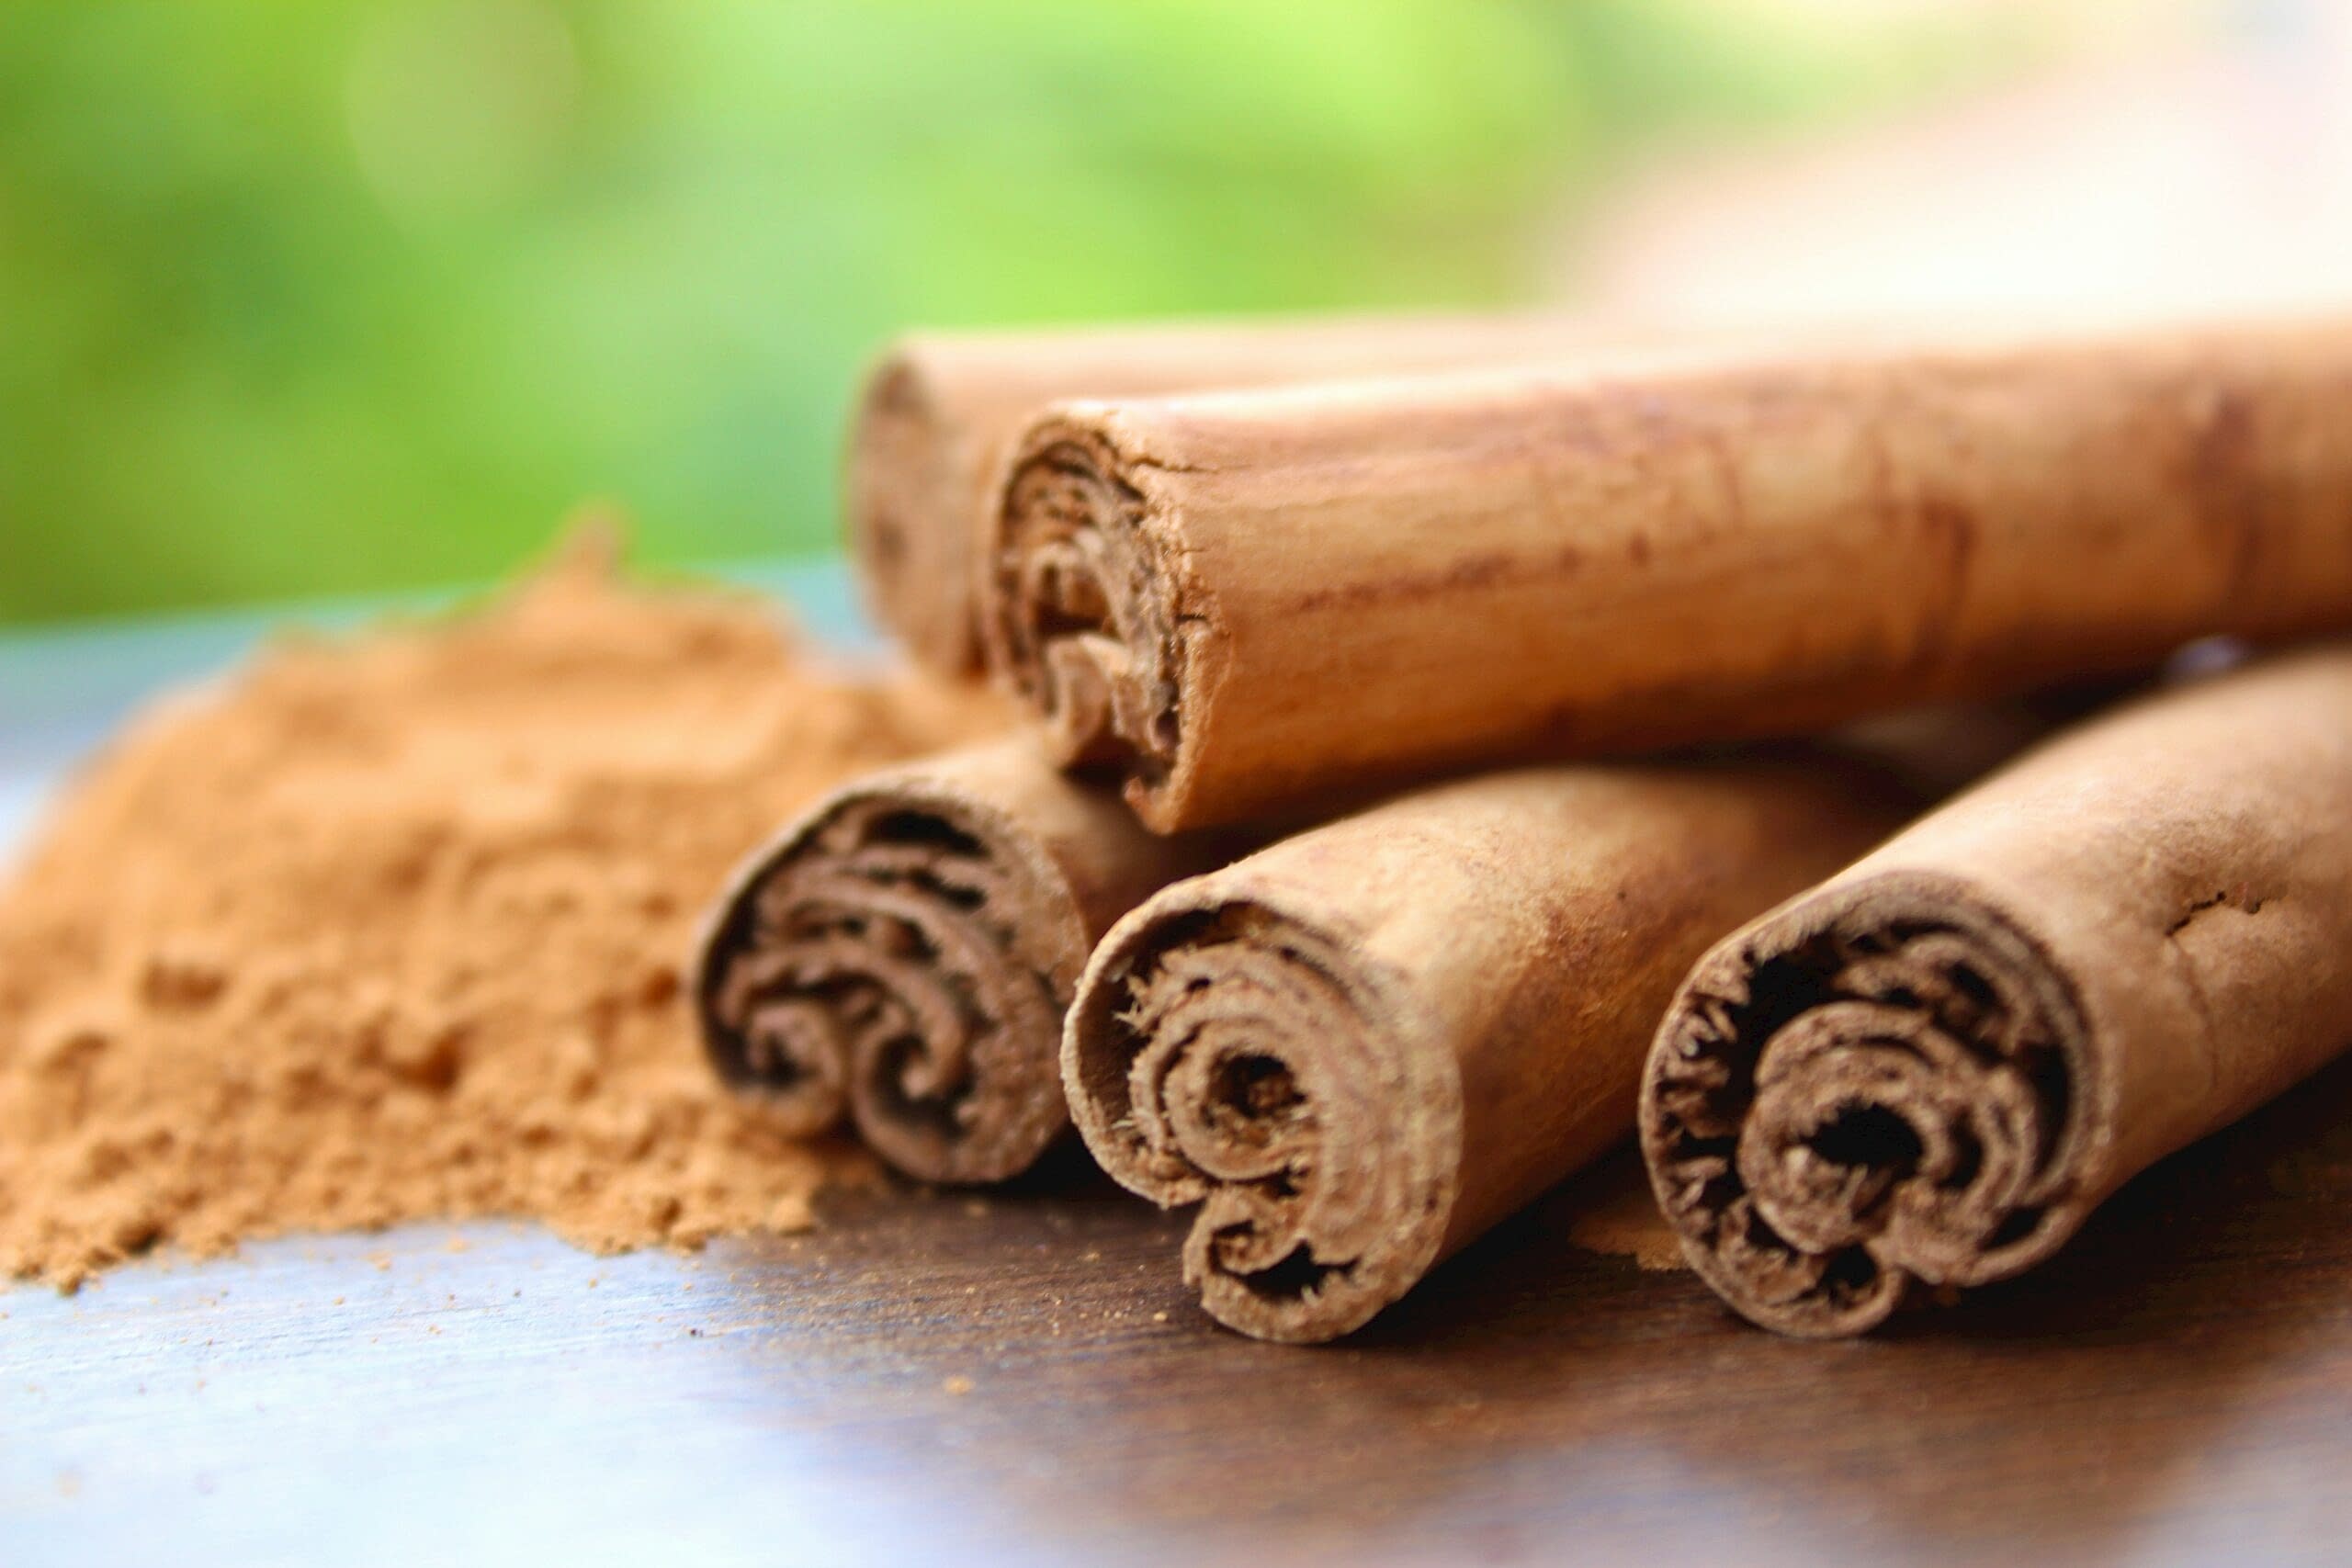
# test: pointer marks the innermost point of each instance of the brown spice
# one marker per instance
(1238, 599)
(1611, 1212)
(390, 928)
(1923, 1075)
(1357, 1050)
(901, 955)
(939, 409)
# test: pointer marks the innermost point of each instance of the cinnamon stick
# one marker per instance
(1232, 599)
(901, 955)
(939, 410)
(1925, 1072)
(1359, 1048)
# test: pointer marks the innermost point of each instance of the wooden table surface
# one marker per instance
(1021, 1378)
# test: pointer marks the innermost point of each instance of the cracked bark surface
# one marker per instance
(1926, 1073)
(1235, 599)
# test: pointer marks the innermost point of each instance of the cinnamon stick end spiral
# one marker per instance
(1224, 1053)
(900, 956)
(1885, 1084)
(1080, 614)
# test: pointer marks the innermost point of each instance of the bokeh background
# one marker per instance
(314, 299)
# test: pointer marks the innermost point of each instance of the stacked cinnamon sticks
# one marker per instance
(1344, 889)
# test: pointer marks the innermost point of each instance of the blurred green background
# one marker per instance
(304, 299)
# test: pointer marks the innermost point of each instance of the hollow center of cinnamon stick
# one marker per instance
(1870, 1137)
(1255, 1089)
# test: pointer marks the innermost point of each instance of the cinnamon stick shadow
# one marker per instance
(1531, 1393)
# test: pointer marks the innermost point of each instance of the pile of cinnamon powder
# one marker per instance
(391, 927)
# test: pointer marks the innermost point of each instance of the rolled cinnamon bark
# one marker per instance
(938, 410)
(902, 956)
(1359, 1048)
(1234, 598)
(1926, 1072)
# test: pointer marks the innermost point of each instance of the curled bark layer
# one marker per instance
(902, 956)
(1231, 599)
(938, 410)
(1359, 1048)
(1927, 1072)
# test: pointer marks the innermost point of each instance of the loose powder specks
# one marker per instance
(1611, 1212)
(390, 928)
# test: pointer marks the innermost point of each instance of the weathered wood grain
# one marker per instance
(945, 1379)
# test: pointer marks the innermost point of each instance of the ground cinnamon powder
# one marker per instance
(389, 928)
